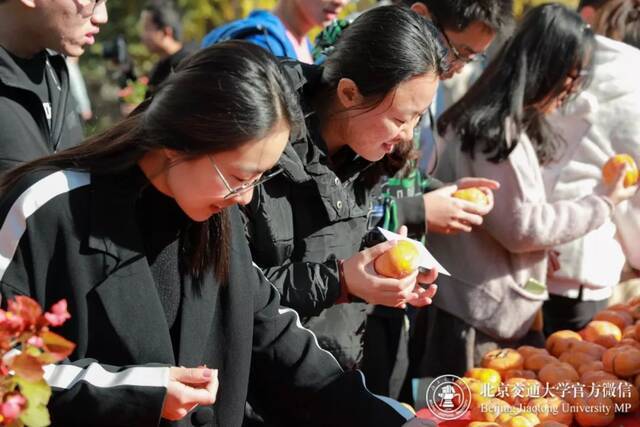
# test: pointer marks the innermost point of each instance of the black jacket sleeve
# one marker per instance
(307, 287)
(411, 210)
(295, 382)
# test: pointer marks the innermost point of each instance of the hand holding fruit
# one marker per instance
(447, 214)
(620, 176)
(400, 261)
(188, 388)
(362, 281)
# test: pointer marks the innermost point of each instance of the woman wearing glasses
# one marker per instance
(498, 130)
(306, 226)
(137, 229)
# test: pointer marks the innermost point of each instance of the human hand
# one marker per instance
(616, 191)
(446, 214)
(421, 296)
(554, 262)
(188, 388)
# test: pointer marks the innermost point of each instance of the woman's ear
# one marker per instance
(421, 9)
(348, 93)
(172, 156)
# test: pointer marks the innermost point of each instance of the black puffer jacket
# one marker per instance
(301, 222)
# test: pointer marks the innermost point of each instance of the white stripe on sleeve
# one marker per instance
(28, 203)
(66, 376)
(395, 405)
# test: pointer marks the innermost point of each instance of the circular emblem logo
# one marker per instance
(447, 398)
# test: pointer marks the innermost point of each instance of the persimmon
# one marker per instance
(602, 332)
(587, 347)
(577, 358)
(491, 377)
(610, 167)
(550, 423)
(535, 362)
(473, 195)
(503, 360)
(596, 365)
(629, 332)
(621, 319)
(528, 350)
(552, 409)
(592, 377)
(482, 424)
(399, 261)
(525, 419)
(623, 361)
(558, 373)
(594, 411)
(518, 373)
(637, 328)
(628, 342)
(559, 341)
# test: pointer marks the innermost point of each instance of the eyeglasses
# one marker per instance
(89, 7)
(457, 56)
(233, 192)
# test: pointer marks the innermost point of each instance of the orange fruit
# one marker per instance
(503, 359)
(473, 195)
(552, 409)
(609, 169)
(399, 261)
(559, 341)
(619, 318)
(602, 332)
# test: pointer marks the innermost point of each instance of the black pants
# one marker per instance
(569, 313)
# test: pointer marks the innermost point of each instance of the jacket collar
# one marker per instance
(129, 287)
(10, 72)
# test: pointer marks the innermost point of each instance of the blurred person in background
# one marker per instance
(499, 130)
(161, 33)
(601, 121)
(615, 19)
(79, 89)
(283, 31)
(38, 115)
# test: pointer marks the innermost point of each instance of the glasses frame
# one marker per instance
(92, 5)
(457, 56)
(243, 188)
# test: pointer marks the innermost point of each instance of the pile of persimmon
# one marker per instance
(565, 375)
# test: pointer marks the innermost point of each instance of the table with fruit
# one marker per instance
(585, 378)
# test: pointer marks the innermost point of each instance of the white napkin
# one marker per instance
(426, 259)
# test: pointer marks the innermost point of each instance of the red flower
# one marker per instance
(26, 308)
(13, 405)
(58, 314)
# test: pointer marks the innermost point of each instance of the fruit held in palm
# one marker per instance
(399, 261)
(610, 167)
(473, 195)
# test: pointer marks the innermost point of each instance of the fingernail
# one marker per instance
(206, 373)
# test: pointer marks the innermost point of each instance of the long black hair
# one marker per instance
(382, 48)
(551, 43)
(219, 99)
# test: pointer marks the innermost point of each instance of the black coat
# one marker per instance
(304, 220)
(24, 131)
(75, 236)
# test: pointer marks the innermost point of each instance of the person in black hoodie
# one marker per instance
(138, 230)
(161, 33)
(37, 113)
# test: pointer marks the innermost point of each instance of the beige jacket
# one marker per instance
(491, 265)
